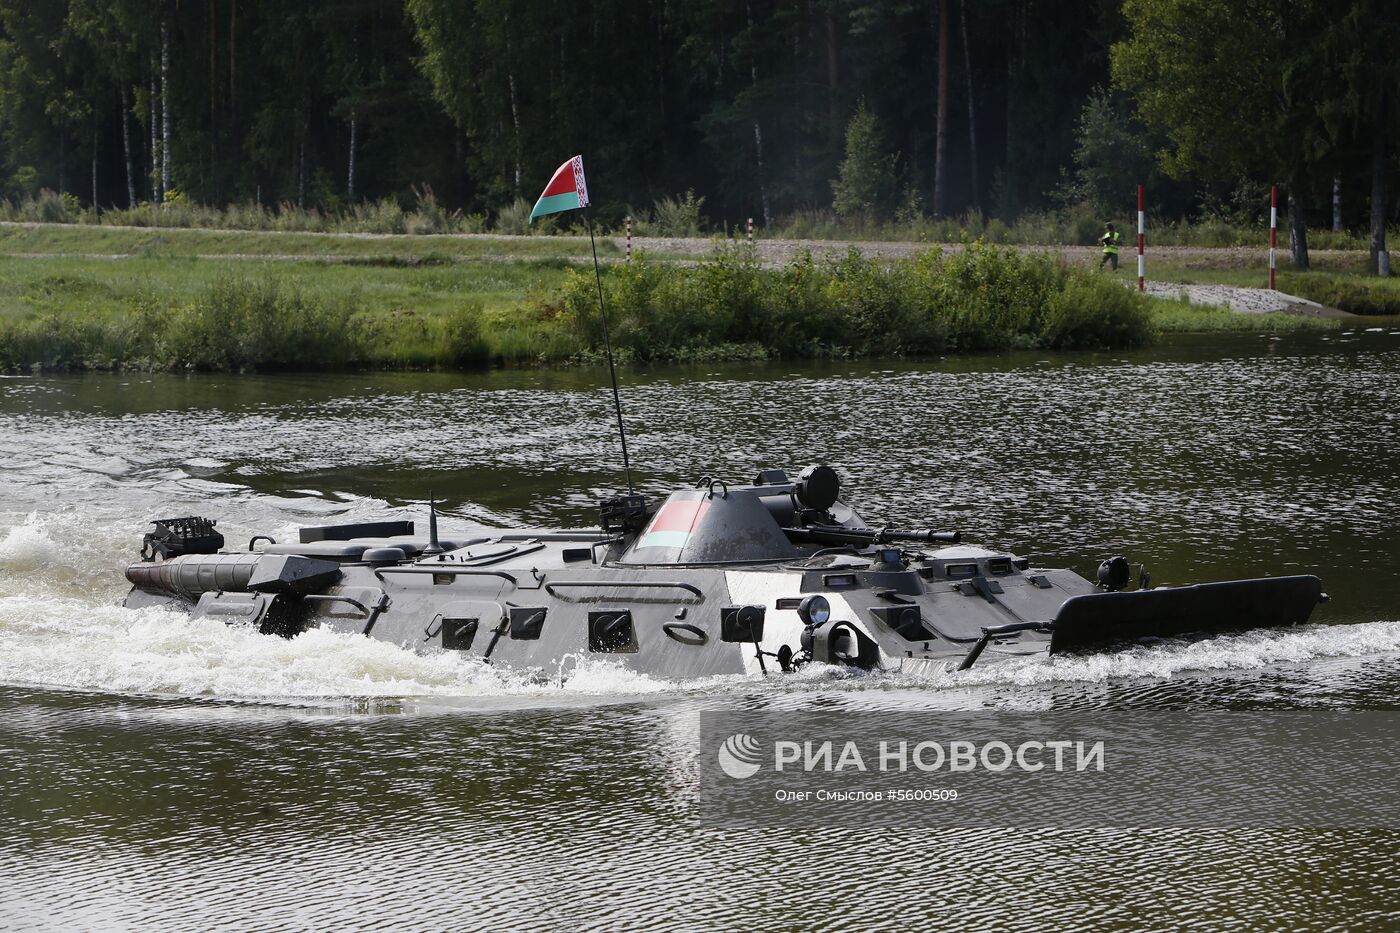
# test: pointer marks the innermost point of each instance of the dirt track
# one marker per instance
(771, 251)
(777, 251)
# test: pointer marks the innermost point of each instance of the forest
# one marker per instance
(860, 110)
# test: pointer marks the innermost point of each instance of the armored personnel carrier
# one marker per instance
(716, 579)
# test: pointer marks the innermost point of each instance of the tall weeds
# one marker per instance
(985, 297)
(422, 214)
(240, 325)
(680, 216)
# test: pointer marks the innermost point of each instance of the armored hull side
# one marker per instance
(718, 580)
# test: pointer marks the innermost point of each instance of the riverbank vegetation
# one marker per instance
(71, 314)
(1338, 277)
(1357, 295)
(980, 298)
(67, 313)
(1180, 316)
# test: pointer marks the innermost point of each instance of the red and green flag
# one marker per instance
(566, 191)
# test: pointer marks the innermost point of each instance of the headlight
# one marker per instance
(814, 610)
(1113, 574)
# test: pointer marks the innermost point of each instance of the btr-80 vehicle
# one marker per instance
(718, 579)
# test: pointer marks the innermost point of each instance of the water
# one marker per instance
(175, 774)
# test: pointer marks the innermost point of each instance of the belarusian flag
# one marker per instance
(566, 191)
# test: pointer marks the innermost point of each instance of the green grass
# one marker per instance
(93, 313)
(95, 285)
(427, 301)
(1359, 295)
(178, 314)
(1246, 268)
(1182, 317)
(175, 243)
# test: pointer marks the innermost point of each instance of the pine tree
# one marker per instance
(866, 185)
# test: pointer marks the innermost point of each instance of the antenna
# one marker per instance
(434, 548)
(607, 344)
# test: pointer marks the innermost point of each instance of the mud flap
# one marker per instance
(1206, 608)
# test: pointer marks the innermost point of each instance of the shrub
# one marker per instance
(382, 216)
(429, 216)
(463, 337)
(514, 218)
(980, 298)
(1091, 312)
(247, 326)
(677, 216)
(47, 207)
(24, 181)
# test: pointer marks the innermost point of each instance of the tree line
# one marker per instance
(765, 108)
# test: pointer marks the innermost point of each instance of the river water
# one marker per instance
(169, 774)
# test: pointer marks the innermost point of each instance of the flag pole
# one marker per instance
(607, 343)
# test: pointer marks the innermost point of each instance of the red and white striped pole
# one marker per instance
(751, 231)
(629, 237)
(1273, 233)
(1142, 275)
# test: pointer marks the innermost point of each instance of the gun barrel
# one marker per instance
(941, 537)
(840, 534)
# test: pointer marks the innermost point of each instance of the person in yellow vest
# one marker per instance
(1111, 240)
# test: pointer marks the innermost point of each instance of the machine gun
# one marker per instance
(175, 537)
(864, 537)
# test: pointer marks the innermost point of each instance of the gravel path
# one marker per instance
(1243, 300)
(777, 251)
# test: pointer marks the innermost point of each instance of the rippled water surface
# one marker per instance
(164, 773)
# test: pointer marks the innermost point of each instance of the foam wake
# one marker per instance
(1244, 651)
(71, 643)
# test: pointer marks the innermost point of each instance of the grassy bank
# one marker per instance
(173, 314)
(1194, 265)
(209, 299)
(1349, 293)
(153, 313)
(1182, 317)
